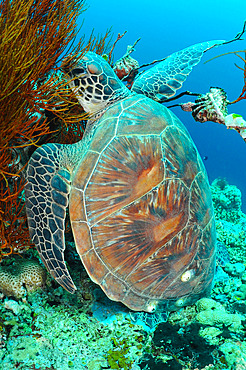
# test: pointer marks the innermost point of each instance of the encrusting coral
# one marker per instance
(229, 218)
(235, 354)
(22, 277)
(213, 313)
(227, 200)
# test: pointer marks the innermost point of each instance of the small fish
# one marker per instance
(205, 158)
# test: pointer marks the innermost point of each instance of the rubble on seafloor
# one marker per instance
(47, 328)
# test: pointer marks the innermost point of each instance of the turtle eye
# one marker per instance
(78, 71)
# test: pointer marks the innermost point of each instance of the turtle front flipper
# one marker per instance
(47, 191)
(161, 81)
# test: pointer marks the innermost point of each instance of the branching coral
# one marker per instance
(243, 93)
(237, 53)
(34, 35)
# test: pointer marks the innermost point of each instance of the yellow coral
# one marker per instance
(211, 334)
(207, 304)
(214, 314)
(22, 277)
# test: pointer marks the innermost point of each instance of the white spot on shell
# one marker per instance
(151, 307)
(180, 302)
(187, 275)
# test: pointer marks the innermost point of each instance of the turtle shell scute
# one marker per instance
(141, 210)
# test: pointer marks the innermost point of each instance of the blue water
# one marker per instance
(169, 26)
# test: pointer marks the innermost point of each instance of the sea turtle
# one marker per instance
(138, 194)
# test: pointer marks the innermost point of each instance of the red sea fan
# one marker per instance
(34, 35)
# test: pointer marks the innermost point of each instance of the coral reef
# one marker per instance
(214, 314)
(183, 344)
(207, 304)
(230, 220)
(211, 334)
(55, 330)
(234, 269)
(22, 277)
(52, 329)
(235, 354)
(64, 337)
(227, 200)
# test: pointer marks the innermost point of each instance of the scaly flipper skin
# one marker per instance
(47, 191)
(161, 81)
(51, 167)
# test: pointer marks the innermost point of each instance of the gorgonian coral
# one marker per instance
(34, 35)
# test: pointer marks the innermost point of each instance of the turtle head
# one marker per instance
(94, 82)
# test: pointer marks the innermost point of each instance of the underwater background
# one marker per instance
(50, 329)
(168, 26)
